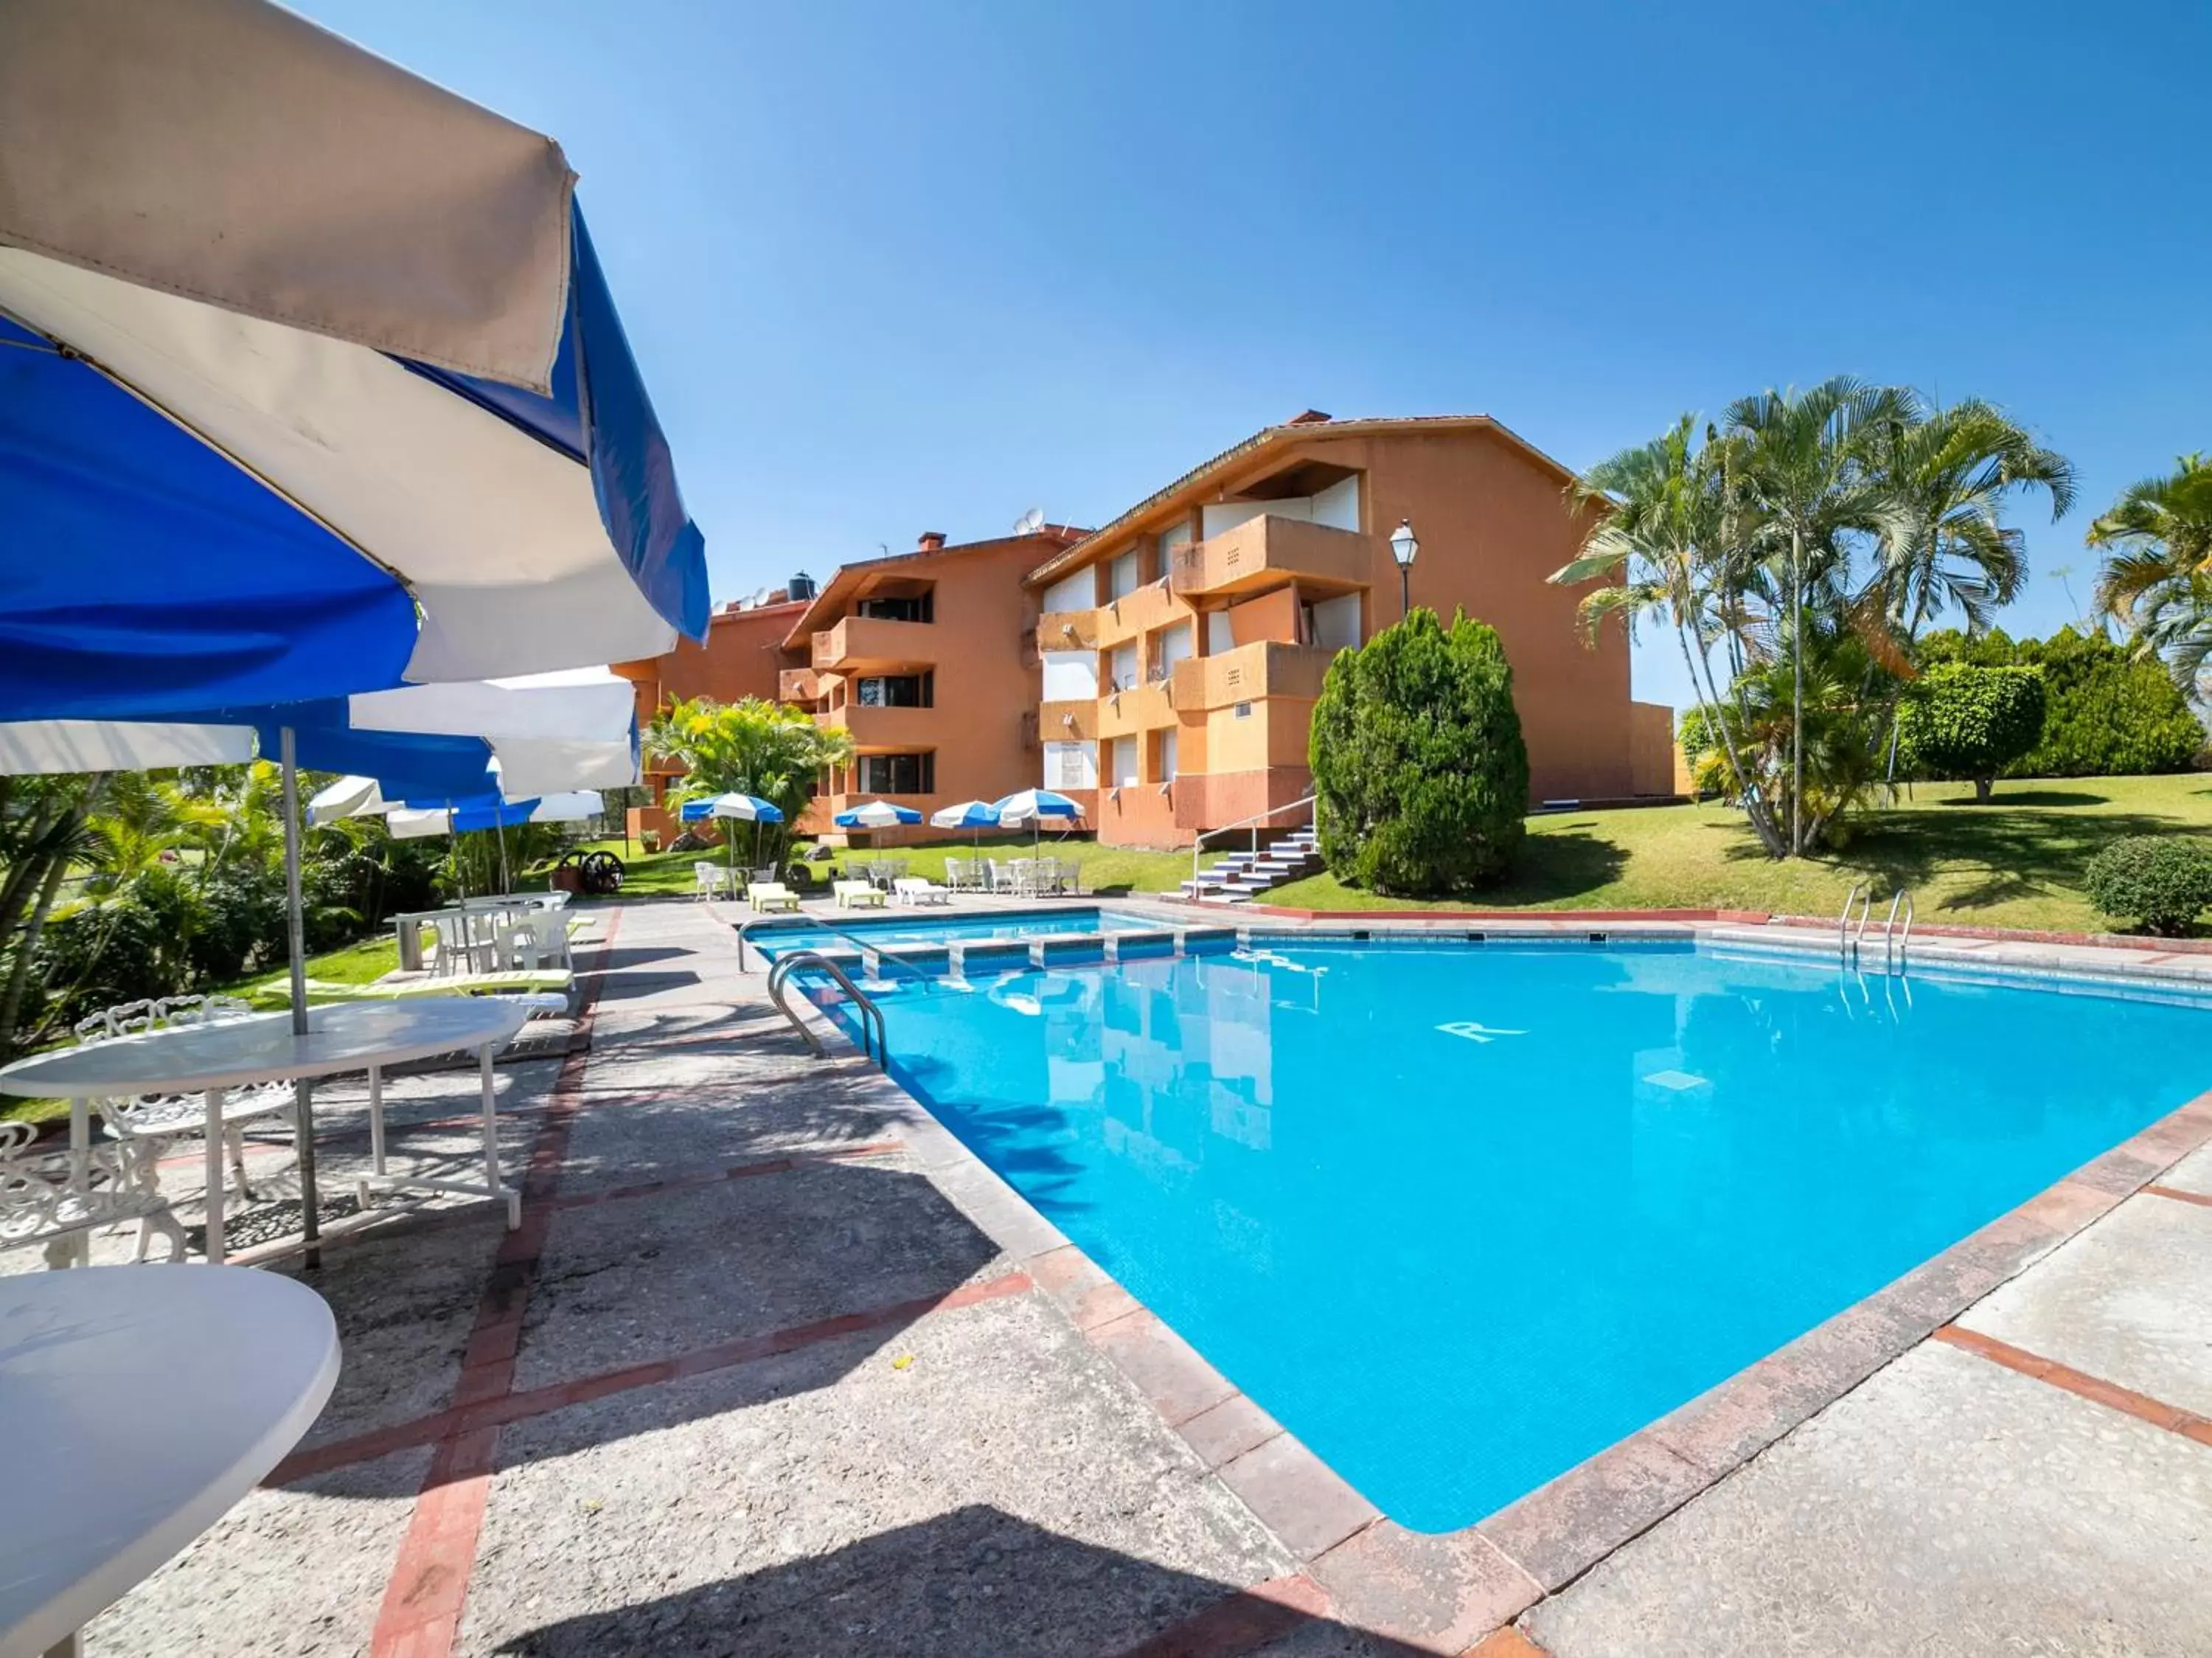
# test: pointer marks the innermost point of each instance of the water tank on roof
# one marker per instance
(799, 588)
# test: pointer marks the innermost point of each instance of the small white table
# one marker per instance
(346, 1036)
(100, 1494)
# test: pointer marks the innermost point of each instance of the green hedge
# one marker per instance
(2161, 883)
(1420, 774)
(1967, 723)
(2110, 713)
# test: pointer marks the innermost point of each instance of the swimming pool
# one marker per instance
(1461, 1215)
(921, 927)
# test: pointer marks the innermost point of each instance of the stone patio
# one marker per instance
(773, 1366)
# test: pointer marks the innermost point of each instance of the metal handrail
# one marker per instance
(872, 1016)
(1255, 820)
(1893, 948)
(744, 927)
(1844, 946)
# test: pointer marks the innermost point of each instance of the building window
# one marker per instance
(1163, 756)
(898, 774)
(1125, 762)
(919, 608)
(1242, 711)
(897, 691)
(1121, 576)
(1121, 670)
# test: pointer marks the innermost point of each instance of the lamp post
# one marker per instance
(1404, 547)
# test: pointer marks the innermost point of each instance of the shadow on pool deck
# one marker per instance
(976, 1582)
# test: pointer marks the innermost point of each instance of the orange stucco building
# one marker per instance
(928, 660)
(1182, 645)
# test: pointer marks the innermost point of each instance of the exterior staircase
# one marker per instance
(1240, 877)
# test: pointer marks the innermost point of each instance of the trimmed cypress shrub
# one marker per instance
(1420, 774)
(2162, 883)
(1968, 723)
(2112, 713)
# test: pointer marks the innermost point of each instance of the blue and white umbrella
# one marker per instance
(745, 808)
(877, 814)
(396, 433)
(966, 814)
(1033, 806)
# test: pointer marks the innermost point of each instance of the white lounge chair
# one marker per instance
(766, 895)
(856, 895)
(913, 890)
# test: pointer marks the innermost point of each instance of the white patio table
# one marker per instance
(344, 1036)
(100, 1496)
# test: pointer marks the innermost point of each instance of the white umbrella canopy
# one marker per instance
(875, 814)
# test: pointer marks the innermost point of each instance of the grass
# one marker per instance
(2016, 862)
(1105, 868)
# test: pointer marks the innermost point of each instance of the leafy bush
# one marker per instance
(2162, 883)
(1966, 722)
(2112, 714)
(1420, 774)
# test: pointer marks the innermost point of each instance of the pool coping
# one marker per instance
(1443, 1591)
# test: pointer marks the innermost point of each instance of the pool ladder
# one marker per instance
(875, 1044)
(1850, 942)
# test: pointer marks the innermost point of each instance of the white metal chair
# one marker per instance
(143, 1126)
(534, 941)
(856, 895)
(468, 940)
(45, 1200)
(713, 879)
(913, 891)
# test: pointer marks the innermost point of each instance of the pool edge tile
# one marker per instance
(1308, 1506)
(1565, 1525)
(1438, 1594)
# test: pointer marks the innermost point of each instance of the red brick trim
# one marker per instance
(734, 1172)
(1508, 1642)
(1749, 918)
(420, 1616)
(1239, 1623)
(2180, 1196)
(2080, 1383)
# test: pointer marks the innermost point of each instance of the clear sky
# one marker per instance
(897, 267)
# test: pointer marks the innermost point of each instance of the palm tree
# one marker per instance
(1947, 476)
(751, 747)
(2157, 577)
(1662, 531)
(1802, 460)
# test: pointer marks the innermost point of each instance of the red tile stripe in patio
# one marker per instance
(2080, 1383)
(2202, 1199)
(1239, 1623)
(422, 1611)
(783, 1165)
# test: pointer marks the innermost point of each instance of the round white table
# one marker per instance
(101, 1493)
(344, 1036)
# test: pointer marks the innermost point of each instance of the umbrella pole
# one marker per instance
(295, 931)
(498, 827)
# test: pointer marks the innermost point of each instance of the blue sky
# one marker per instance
(901, 267)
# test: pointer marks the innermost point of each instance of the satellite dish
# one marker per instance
(1029, 522)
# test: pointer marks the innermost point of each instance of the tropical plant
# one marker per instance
(2111, 713)
(2161, 883)
(751, 747)
(1420, 774)
(44, 830)
(1965, 722)
(2157, 577)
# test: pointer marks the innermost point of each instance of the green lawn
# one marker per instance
(2016, 862)
(1104, 868)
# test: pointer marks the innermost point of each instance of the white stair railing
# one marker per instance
(1254, 822)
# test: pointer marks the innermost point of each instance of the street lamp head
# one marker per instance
(1403, 546)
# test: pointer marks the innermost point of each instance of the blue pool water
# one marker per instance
(1460, 1216)
(910, 927)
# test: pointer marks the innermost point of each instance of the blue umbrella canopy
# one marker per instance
(966, 814)
(403, 441)
(1033, 805)
(745, 808)
(877, 814)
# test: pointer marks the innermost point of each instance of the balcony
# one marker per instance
(893, 728)
(1266, 668)
(1146, 709)
(1135, 615)
(872, 643)
(1068, 630)
(1075, 720)
(1267, 553)
(798, 685)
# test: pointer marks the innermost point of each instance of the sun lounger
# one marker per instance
(766, 895)
(856, 895)
(912, 890)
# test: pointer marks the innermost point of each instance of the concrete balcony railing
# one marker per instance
(1075, 721)
(874, 642)
(1135, 615)
(1268, 551)
(1148, 708)
(885, 727)
(798, 685)
(1266, 668)
(1068, 630)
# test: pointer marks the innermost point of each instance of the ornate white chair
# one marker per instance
(42, 1202)
(144, 1127)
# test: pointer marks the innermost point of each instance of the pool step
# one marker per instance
(961, 959)
(1239, 877)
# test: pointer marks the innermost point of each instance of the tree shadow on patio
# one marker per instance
(974, 1583)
